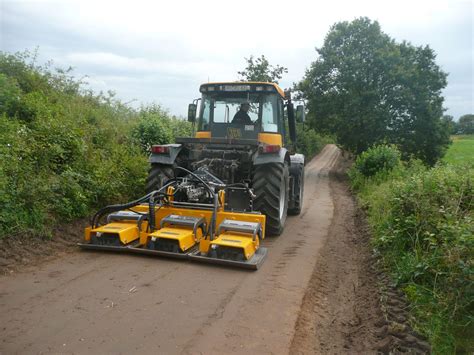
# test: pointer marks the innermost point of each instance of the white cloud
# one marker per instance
(116, 63)
(161, 51)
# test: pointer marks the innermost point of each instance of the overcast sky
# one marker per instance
(161, 51)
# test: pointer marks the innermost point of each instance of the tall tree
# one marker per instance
(365, 88)
(260, 70)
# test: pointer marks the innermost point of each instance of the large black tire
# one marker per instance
(297, 203)
(157, 176)
(271, 184)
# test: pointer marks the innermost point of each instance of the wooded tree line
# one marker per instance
(464, 125)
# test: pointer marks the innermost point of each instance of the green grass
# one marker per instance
(461, 151)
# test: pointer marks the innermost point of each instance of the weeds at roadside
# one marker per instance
(423, 226)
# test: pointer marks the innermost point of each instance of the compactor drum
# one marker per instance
(213, 197)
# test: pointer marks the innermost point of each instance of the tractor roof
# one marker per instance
(227, 84)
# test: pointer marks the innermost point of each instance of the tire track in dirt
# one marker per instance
(340, 311)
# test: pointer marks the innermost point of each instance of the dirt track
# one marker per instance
(106, 303)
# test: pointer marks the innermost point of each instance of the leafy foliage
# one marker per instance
(376, 159)
(260, 70)
(422, 221)
(155, 126)
(365, 89)
(65, 150)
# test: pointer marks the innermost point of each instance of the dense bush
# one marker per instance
(423, 227)
(376, 159)
(65, 150)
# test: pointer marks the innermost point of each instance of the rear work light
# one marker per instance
(160, 149)
(270, 149)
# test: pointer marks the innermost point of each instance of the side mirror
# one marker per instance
(192, 108)
(300, 114)
(291, 122)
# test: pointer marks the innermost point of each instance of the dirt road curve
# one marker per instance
(92, 302)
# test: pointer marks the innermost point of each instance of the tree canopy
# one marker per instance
(260, 70)
(365, 88)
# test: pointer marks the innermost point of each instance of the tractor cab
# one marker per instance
(237, 110)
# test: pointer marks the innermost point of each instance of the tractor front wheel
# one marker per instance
(298, 188)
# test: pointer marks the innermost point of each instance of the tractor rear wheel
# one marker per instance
(157, 176)
(270, 184)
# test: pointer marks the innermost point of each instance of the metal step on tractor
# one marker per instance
(214, 196)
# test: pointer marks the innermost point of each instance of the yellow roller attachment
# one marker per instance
(237, 240)
(237, 244)
(229, 241)
(126, 232)
(184, 237)
(177, 233)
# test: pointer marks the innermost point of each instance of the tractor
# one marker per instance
(254, 152)
(214, 197)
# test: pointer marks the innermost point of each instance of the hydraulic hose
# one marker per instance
(151, 213)
(118, 207)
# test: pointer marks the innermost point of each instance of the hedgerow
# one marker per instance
(64, 150)
(423, 228)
